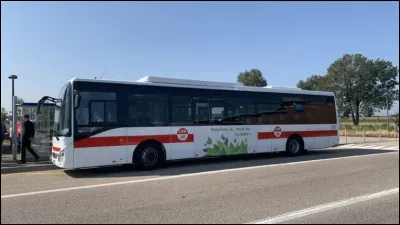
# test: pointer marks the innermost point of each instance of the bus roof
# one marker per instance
(174, 82)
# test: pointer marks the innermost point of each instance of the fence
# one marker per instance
(368, 131)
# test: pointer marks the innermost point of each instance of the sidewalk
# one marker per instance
(8, 165)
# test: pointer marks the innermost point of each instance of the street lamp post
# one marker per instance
(14, 119)
(387, 108)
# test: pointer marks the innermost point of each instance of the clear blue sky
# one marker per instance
(48, 43)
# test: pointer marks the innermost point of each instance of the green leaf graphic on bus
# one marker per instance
(225, 147)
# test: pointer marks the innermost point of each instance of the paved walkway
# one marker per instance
(8, 165)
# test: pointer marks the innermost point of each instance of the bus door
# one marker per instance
(211, 137)
(182, 134)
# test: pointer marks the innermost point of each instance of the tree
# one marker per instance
(385, 92)
(4, 115)
(367, 110)
(19, 109)
(252, 78)
(315, 83)
(323, 83)
(361, 85)
(358, 83)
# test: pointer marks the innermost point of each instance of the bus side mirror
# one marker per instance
(77, 101)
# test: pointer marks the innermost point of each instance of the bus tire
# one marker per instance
(294, 146)
(148, 156)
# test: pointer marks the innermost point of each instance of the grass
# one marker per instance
(368, 133)
(374, 119)
(373, 126)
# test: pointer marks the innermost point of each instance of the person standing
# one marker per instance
(28, 132)
(3, 136)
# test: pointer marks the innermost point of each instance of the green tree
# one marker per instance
(4, 115)
(367, 110)
(324, 83)
(19, 109)
(358, 83)
(353, 79)
(385, 92)
(252, 78)
(315, 83)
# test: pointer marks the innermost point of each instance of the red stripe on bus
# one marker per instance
(56, 149)
(130, 140)
(173, 138)
(286, 134)
(266, 135)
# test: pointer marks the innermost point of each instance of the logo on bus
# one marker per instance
(182, 134)
(277, 131)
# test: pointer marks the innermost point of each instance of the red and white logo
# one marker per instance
(277, 131)
(182, 134)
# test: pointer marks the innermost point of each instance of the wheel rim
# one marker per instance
(294, 146)
(149, 156)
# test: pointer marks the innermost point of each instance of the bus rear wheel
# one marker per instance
(294, 146)
(147, 157)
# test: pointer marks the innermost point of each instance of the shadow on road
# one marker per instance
(215, 164)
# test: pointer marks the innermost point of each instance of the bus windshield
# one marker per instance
(62, 118)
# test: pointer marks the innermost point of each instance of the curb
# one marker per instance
(32, 168)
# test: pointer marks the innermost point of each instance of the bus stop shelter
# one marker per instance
(43, 122)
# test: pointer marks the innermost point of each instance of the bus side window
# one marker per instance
(181, 108)
(147, 110)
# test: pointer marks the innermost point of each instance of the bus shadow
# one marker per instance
(217, 164)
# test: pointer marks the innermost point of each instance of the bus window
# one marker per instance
(202, 113)
(147, 110)
(181, 107)
(97, 111)
(94, 109)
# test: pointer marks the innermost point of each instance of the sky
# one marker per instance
(47, 43)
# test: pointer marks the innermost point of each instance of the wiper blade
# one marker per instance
(44, 99)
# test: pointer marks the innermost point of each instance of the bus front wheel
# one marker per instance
(147, 157)
(294, 146)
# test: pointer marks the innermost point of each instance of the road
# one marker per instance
(337, 185)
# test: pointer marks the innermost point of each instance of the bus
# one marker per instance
(156, 119)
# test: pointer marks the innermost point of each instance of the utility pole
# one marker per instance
(13, 102)
(387, 109)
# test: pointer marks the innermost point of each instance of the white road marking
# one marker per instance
(370, 146)
(181, 176)
(325, 207)
(380, 147)
(357, 146)
(346, 146)
(384, 147)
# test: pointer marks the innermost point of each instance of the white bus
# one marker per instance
(155, 119)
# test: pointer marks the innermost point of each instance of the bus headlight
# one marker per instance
(61, 156)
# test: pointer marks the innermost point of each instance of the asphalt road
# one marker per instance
(323, 186)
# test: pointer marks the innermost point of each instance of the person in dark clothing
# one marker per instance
(3, 136)
(28, 133)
